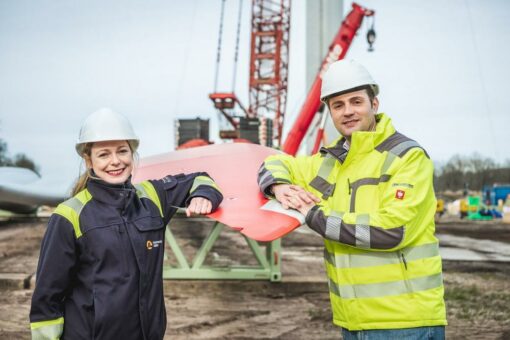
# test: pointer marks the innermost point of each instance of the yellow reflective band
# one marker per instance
(145, 189)
(71, 209)
(38, 324)
(203, 180)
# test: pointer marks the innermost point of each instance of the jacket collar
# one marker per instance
(117, 195)
(364, 141)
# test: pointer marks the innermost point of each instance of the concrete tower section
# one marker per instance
(323, 19)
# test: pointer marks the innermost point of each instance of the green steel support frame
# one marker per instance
(269, 262)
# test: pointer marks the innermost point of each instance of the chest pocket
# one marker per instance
(151, 231)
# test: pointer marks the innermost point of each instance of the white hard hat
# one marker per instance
(105, 125)
(343, 75)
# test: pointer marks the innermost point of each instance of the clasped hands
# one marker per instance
(294, 197)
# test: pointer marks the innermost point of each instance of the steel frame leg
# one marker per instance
(269, 262)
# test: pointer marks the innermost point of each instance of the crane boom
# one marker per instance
(337, 51)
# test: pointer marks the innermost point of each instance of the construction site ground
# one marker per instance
(477, 292)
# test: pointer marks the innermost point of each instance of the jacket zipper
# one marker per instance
(124, 250)
(406, 273)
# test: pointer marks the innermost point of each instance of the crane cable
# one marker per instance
(482, 80)
(237, 45)
(218, 53)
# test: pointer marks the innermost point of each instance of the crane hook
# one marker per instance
(371, 39)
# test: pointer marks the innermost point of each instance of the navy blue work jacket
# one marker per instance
(107, 283)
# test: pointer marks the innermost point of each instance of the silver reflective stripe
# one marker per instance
(329, 257)
(333, 226)
(327, 166)
(397, 150)
(263, 177)
(421, 252)
(362, 233)
(74, 204)
(141, 192)
(371, 258)
(388, 162)
(333, 287)
(389, 288)
(320, 182)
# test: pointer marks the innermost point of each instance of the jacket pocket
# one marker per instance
(147, 224)
(151, 231)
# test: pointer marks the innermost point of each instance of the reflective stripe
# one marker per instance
(263, 177)
(277, 162)
(388, 162)
(145, 189)
(400, 149)
(371, 258)
(365, 181)
(333, 226)
(320, 182)
(421, 252)
(362, 231)
(397, 145)
(326, 167)
(388, 288)
(392, 141)
(362, 236)
(324, 187)
(203, 180)
(333, 287)
(375, 290)
(72, 208)
(46, 330)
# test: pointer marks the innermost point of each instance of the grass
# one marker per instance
(475, 304)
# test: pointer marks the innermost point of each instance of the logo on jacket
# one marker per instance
(400, 194)
(153, 244)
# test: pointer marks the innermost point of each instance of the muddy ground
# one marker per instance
(477, 293)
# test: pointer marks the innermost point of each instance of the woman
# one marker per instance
(100, 269)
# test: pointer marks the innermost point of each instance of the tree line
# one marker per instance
(459, 173)
(470, 173)
(19, 160)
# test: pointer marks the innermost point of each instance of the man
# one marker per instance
(375, 212)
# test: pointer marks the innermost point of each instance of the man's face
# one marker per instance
(353, 111)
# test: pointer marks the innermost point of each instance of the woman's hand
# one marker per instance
(199, 206)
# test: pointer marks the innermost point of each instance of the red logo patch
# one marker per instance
(400, 194)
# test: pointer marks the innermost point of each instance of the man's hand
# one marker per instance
(295, 197)
(199, 206)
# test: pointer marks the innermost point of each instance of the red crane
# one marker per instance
(337, 51)
(269, 60)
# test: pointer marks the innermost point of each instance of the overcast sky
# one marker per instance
(442, 67)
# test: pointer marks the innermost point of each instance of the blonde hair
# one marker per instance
(81, 182)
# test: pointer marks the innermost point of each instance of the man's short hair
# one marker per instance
(367, 88)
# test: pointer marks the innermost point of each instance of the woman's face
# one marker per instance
(112, 161)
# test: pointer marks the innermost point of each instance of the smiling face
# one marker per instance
(353, 111)
(112, 161)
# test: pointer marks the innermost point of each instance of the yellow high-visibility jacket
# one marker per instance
(377, 220)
